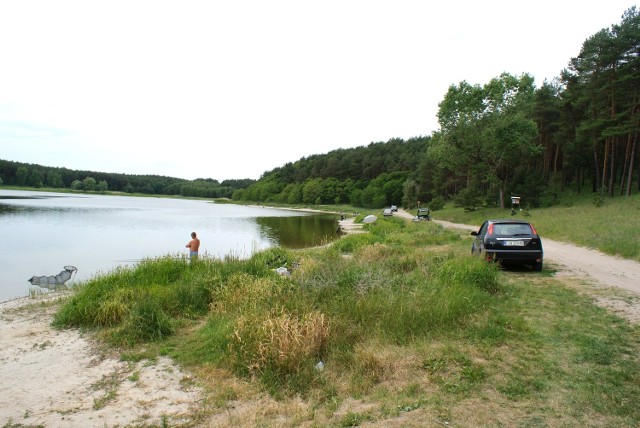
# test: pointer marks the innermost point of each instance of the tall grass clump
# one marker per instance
(401, 306)
(401, 233)
(276, 335)
(470, 271)
(146, 321)
(167, 270)
(281, 349)
(243, 293)
(272, 258)
(351, 243)
(150, 293)
(102, 302)
(433, 234)
(382, 227)
(397, 292)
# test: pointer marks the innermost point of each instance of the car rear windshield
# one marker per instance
(511, 229)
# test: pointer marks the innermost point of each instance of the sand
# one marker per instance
(59, 378)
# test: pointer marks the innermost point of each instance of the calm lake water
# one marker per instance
(41, 232)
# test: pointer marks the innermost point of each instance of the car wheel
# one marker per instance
(537, 266)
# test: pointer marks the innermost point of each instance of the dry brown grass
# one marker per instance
(285, 341)
(373, 253)
(245, 293)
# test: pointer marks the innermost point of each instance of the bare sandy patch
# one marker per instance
(53, 377)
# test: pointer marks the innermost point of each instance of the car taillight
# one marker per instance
(533, 229)
(490, 230)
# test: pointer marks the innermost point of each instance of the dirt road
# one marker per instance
(607, 270)
(592, 267)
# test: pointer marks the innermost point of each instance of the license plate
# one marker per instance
(513, 243)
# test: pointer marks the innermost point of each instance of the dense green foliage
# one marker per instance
(390, 291)
(371, 176)
(503, 138)
(38, 176)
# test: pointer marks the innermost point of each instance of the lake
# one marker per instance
(41, 232)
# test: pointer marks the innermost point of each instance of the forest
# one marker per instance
(502, 138)
(505, 137)
(38, 176)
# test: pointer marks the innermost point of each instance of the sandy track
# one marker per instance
(605, 269)
(591, 267)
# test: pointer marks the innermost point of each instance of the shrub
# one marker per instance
(598, 200)
(468, 199)
(274, 258)
(437, 203)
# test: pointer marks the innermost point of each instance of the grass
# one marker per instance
(410, 330)
(613, 227)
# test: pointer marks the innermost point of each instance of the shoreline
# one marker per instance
(346, 226)
(61, 377)
(273, 207)
(55, 377)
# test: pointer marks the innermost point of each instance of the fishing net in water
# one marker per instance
(54, 281)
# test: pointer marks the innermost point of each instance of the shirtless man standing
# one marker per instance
(193, 246)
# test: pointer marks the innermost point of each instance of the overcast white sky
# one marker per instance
(231, 89)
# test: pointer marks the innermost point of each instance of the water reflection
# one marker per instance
(299, 232)
(41, 232)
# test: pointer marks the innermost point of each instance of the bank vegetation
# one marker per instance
(398, 326)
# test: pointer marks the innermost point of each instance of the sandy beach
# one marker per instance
(60, 378)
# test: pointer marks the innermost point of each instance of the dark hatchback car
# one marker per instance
(509, 241)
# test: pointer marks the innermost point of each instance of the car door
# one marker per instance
(478, 243)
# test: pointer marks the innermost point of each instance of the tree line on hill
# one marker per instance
(503, 138)
(38, 176)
